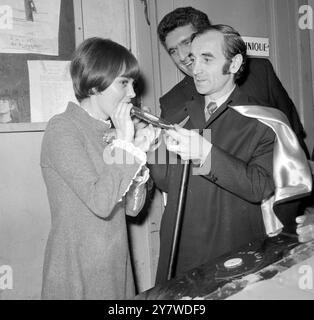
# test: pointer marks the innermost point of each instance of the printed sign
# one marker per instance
(29, 26)
(257, 46)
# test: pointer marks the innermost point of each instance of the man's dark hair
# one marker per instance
(233, 44)
(181, 17)
(96, 63)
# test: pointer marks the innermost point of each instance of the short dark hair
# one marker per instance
(181, 17)
(96, 63)
(233, 45)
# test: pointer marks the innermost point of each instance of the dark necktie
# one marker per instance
(210, 109)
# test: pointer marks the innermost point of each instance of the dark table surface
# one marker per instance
(215, 281)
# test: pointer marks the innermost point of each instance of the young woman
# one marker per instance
(93, 181)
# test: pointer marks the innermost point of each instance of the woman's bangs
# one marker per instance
(130, 68)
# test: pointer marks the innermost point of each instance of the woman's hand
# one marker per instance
(122, 121)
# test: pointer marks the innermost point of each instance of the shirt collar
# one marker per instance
(220, 101)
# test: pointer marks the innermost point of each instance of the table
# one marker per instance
(275, 276)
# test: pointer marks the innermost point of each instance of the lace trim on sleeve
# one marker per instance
(138, 154)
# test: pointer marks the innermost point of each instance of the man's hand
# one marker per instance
(305, 227)
(188, 144)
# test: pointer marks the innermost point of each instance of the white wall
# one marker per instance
(24, 213)
(311, 3)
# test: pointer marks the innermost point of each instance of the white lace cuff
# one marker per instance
(130, 147)
(139, 155)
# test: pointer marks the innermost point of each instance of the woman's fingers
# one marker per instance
(123, 122)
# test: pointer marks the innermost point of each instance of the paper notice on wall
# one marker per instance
(50, 88)
(257, 46)
(29, 26)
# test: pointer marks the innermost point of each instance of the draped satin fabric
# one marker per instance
(291, 170)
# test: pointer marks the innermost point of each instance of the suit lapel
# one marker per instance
(194, 107)
(223, 108)
(195, 111)
(217, 114)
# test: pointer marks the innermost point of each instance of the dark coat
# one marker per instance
(260, 82)
(222, 210)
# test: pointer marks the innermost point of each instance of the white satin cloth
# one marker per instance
(291, 170)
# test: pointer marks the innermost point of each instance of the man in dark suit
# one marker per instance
(223, 203)
(259, 81)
